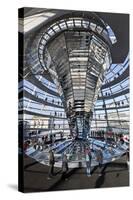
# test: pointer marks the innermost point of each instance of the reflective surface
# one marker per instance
(77, 67)
(75, 151)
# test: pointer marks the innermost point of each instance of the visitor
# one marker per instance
(43, 143)
(121, 140)
(64, 166)
(110, 149)
(26, 145)
(99, 156)
(35, 144)
(88, 161)
(91, 147)
(51, 164)
(79, 155)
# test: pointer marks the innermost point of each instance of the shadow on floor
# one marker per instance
(31, 164)
(35, 172)
(42, 172)
(119, 165)
(70, 172)
(13, 187)
(57, 179)
(101, 179)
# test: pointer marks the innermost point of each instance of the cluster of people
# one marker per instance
(88, 161)
(52, 162)
(88, 158)
(38, 144)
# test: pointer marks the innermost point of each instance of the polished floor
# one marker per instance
(115, 174)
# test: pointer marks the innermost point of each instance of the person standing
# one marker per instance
(88, 158)
(99, 156)
(79, 155)
(51, 164)
(64, 166)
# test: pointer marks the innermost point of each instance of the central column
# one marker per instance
(77, 65)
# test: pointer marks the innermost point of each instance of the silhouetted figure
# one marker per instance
(51, 164)
(61, 135)
(51, 137)
(26, 145)
(99, 156)
(79, 154)
(64, 166)
(121, 139)
(43, 143)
